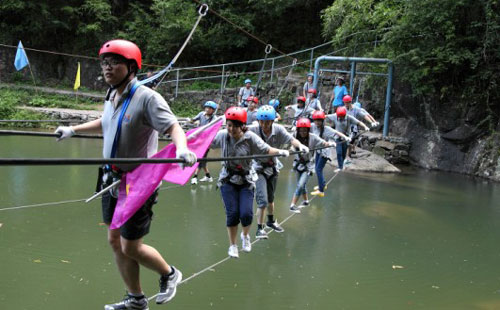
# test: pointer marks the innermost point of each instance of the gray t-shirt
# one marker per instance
(277, 139)
(244, 93)
(203, 118)
(248, 144)
(147, 114)
(358, 114)
(307, 86)
(328, 135)
(314, 104)
(251, 116)
(300, 112)
(344, 126)
(306, 161)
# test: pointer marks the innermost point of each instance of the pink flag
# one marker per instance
(137, 186)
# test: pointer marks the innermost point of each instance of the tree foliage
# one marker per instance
(447, 48)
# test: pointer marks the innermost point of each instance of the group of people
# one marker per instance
(135, 114)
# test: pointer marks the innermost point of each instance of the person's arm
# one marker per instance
(343, 136)
(300, 146)
(179, 138)
(69, 131)
(355, 121)
(320, 108)
(278, 116)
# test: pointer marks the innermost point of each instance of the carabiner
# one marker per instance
(203, 9)
(268, 49)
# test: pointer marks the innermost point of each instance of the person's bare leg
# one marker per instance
(246, 230)
(128, 267)
(232, 231)
(260, 215)
(145, 255)
(270, 208)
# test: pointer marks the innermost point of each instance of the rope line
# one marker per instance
(98, 161)
(196, 274)
(242, 29)
(45, 204)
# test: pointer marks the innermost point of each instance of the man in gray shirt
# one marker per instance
(245, 92)
(268, 168)
(133, 116)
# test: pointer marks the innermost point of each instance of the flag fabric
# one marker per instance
(21, 60)
(77, 79)
(137, 186)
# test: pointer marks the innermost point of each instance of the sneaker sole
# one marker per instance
(295, 211)
(261, 237)
(179, 279)
(276, 230)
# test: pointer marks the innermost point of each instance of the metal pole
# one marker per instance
(272, 70)
(311, 60)
(177, 83)
(353, 73)
(222, 79)
(388, 101)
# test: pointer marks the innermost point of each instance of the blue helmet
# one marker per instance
(210, 104)
(357, 104)
(275, 103)
(248, 81)
(266, 113)
(310, 74)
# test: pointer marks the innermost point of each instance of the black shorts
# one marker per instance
(138, 225)
(354, 137)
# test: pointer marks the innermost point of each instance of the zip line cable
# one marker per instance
(99, 161)
(243, 30)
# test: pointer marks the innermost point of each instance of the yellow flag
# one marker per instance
(77, 79)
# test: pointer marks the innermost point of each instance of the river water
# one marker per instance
(417, 240)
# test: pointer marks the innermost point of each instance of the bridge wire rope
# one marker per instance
(198, 273)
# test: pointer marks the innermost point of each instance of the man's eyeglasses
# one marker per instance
(111, 62)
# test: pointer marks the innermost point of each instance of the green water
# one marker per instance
(419, 240)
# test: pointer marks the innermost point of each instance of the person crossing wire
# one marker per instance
(203, 118)
(268, 168)
(252, 103)
(237, 177)
(303, 164)
(313, 101)
(300, 109)
(342, 122)
(323, 156)
(132, 118)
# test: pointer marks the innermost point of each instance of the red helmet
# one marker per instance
(253, 98)
(301, 98)
(312, 91)
(236, 114)
(341, 112)
(347, 99)
(124, 48)
(319, 115)
(303, 123)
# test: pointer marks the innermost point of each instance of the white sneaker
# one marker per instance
(317, 187)
(194, 181)
(304, 204)
(337, 170)
(233, 251)
(206, 179)
(246, 244)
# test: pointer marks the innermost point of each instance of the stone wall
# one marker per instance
(395, 150)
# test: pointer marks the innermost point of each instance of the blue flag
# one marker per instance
(21, 60)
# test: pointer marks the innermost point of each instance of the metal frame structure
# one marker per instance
(354, 61)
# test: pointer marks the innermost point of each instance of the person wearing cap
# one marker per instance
(308, 84)
(203, 118)
(245, 92)
(303, 164)
(131, 130)
(268, 168)
(360, 115)
(312, 100)
(339, 91)
(342, 122)
(300, 109)
(237, 177)
(327, 133)
(252, 103)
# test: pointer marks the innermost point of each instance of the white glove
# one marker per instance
(64, 132)
(284, 153)
(377, 123)
(374, 124)
(303, 148)
(367, 129)
(187, 155)
(188, 120)
(331, 143)
(348, 139)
